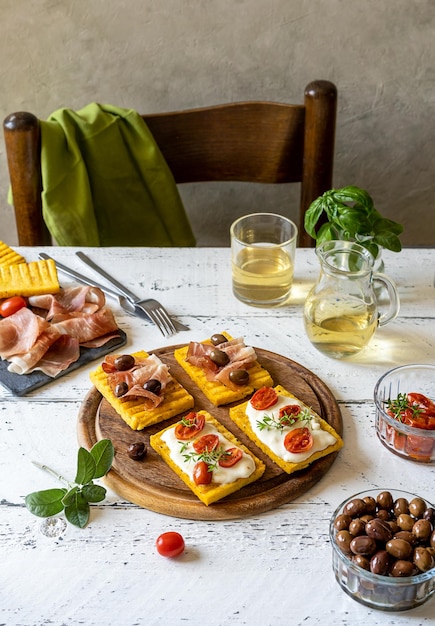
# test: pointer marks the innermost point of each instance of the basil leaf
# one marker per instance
(78, 511)
(326, 233)
(94, 493)
(353, 194)
(102, 453)
(85, 467)
(389, 241)
(45, 503)
(312, 216)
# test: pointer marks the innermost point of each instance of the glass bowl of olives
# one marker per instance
(405, 412)
(383, 549)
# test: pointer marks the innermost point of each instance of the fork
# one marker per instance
(154, 309)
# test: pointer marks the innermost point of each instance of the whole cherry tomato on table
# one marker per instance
(12, 305)
(170, 544)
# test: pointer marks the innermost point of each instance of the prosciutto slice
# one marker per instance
(85, 327)
(19, 332)
(24, 363)
(240, 355)
(85, 300)
(59, 356)
(142, 371)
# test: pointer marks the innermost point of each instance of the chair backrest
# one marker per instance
(261, 142)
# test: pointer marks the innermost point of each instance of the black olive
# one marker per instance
(124, 362)
(137, 451)
(153, 385)
(239, 377)
(217, 339)
(121, 389)
(219, 357)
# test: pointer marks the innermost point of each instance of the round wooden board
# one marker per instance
(150, 483)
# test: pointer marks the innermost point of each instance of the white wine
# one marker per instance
(262, 275)
(339, 328)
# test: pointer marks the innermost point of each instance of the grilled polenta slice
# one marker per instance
(176, 400)
(215, 490)
(29, 279)
(334, 443)
(9, 257)
(216, 392)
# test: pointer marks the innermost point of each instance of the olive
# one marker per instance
(383, 514)
(429, 514)
(402, 568)
(432, 539)
(217, 339)
(399, 548)
(361, 561)
(405, 522)
(239, 377)
(370, 505)
(356, 527)
(380, 562)
(422, 529)
(363, 545)
(385, 500)
(124, 362)
(355, 507)
(417, 507)
(423, 559)
(406, 536)
(137, 451)
(379, 530)
(342, 522)
(219, 357)
(153, 386)
(343, 539)
(401, 505)
(121, 389)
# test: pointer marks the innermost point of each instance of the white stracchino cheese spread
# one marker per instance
(273, 438)
(222, 475)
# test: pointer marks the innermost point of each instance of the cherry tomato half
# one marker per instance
(206, 443)
(170, 544)
(264, 398)
(231, 457)
(422, 401)
(289, 414)
(12, 305)
(298, 440)
(189, 426)
(201, 474)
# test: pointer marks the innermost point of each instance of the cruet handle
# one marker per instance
(394, 301)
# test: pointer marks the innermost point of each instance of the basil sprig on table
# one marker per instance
(352, 216)
(79, 493)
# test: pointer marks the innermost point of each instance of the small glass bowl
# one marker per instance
(415, 444)
(384, 593)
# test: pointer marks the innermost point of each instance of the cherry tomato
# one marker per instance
(12, 305)
(230, 457)
(422, 401)
(170, 544)
(189, 426)
(419, 448)
(206, 443)
(298, 440)
(288, 414)
(264, 398)
(201, 474)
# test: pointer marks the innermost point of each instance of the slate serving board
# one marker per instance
(153, 485)
(22, 384)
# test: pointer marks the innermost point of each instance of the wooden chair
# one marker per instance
(261, 142)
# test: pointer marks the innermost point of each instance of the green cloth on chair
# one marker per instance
(106, 183)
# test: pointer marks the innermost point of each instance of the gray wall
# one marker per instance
(172, 54)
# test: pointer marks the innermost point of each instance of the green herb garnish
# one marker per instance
(79, 493)
(211, 457)
(270, 422)
(399, 405)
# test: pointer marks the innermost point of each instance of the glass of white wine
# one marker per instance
(341, 312)
(263, 249)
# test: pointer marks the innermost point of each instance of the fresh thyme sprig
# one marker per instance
(211, 457)
(399, 405)
(285, 419)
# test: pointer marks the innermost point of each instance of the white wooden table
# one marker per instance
(271, 569)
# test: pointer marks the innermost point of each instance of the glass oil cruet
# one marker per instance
(341, 312)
